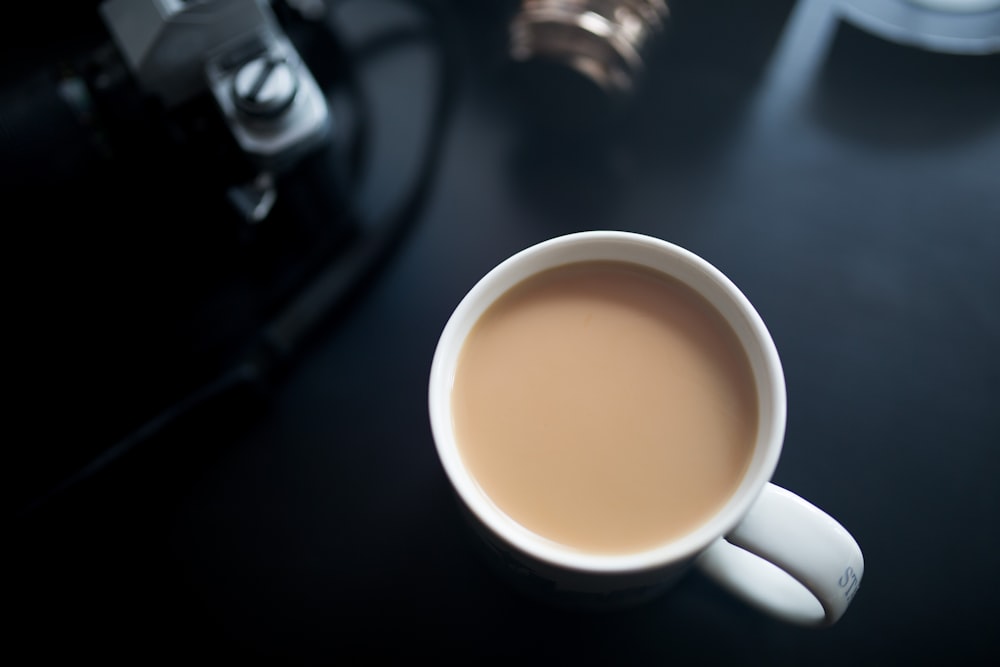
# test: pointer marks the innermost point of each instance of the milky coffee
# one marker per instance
(605, 406)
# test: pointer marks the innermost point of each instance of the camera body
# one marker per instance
(234, 49)
(174, 177)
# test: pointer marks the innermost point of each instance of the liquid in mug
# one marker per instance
(605, 406)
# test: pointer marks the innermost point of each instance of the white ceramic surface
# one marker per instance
(792, 559)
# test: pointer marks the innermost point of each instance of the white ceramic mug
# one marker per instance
(767, 545)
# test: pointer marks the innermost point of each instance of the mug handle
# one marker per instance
(788, 558)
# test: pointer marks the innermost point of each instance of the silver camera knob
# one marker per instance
(264, 87)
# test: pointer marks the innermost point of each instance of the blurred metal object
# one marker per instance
(603, 40)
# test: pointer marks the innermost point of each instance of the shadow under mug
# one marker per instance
(766, 545)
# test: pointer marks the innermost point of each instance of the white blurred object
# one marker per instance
(969, 27)
(959, 6)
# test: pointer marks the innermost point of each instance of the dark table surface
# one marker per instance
(850, 185)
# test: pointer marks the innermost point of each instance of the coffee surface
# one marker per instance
(605, 406)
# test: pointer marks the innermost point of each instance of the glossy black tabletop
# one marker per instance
(847, 183)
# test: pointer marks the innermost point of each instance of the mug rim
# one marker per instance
(624, 246)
